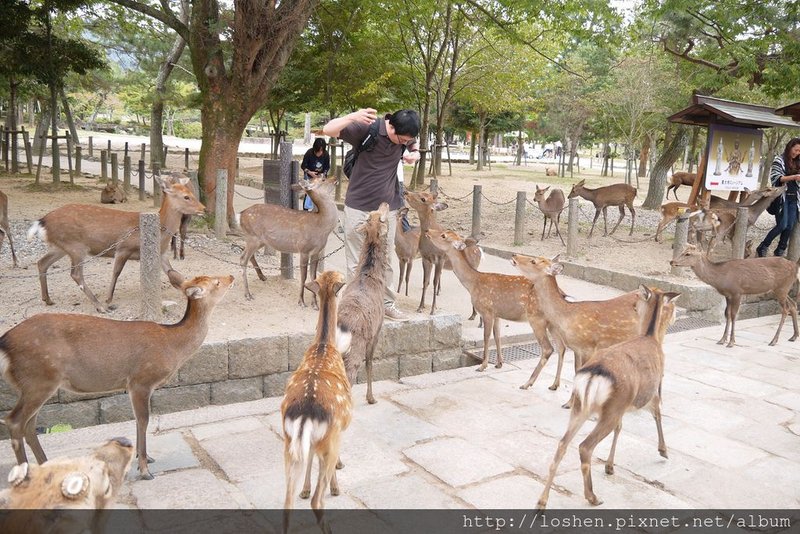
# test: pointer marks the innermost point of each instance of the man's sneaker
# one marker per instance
(780, 252)
(761, 252)
(390, 311)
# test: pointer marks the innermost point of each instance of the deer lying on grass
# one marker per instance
(678, 179)
(79, 230)
(317, 407)
(752, 276)
(584, 326)
(5, 229)
(427, 205)
(618, 379)
(406, 245)
(611, 195)
(288, 230)
(498, 296)
(551, 208)
(88, 354)
(86, 482)
(113, 194)
(361, 308)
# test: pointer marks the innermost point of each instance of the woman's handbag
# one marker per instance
(776, 206)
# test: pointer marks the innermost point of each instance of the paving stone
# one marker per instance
(399, 428)
(368, 459)
(446, 331)
(248, 456)
(415, 364)
(255, 357)
(209, 364)
(180, 398)
(227, 428)
(385, 368)
(508, 492)
(444, 360)
(115, 409)
(473, 464)
(231, 391)
(194, 489)
(170, 451)
(789, 399)
(407, 337)
(211, 414)
(716, 450)
(738, 384)
(275, 384)
(410, 491)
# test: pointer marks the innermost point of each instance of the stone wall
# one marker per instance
(250, 369)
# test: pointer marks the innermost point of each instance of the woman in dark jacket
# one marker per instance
(316, 162)
(785, 171)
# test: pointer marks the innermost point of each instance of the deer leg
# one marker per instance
(402, 263)
(576, 420)
(257, 267)
(327, 470)
(621, 216)
(368, 357)
(119, 264)
(6, 230)
(724, 337)
(303, 274)
(544, 227)
(437, 282)
(610, 459)
(561, 349)
(496, 333)
(784, 312)
(77, 274)
(793, 311)
(578, 362)
(20, 418)
(293, 471)
(558, 231)
(488, 321)
(52, 256)
(735, 301)
(140, 400)
(426, 277)
(33, 440)
(596, 216)
(247, 255)
(409, 263)
(655, 408)
(306, 491)
(604, 427)
(546, 352)
(633, 216)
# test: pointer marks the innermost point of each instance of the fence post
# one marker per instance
(104, 166)
(150, 265)
(156, 184)
(109, 146)
(141, 179)
(91, 146)
(519, 220)
(739, 234)
(476, 211)
(78, 159)
(434, 187)
(186, 158)
(287, 263)
(114, 169)
(572, 228)
(681, 236)
(126, 151)
(69, 158)
(144, 150)
(126, 173)
(28, 151)
(220, 213)
(338, 196)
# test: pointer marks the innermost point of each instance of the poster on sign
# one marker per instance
(734, 158)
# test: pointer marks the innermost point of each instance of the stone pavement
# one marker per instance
(461, 439)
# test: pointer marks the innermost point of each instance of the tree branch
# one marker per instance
(166, 16)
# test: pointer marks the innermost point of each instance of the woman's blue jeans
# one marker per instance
(785, 222)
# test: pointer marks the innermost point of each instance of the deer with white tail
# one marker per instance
(618, 379)
(317, 406)
(620, 195)
(78, 231)
(89, 354)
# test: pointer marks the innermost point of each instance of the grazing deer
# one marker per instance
(551, 208)
(498, 296)
(584, 326)
(611, 195)
(753, 276)
(616, 380)
(406, 245)
(288, 230)
(78, 231)
(678, 179)
(317, 407)
(550, 172)
(427, 205)
(5, 229)
(113, 194)
(361, 308)
(86, 482)
(88, 354)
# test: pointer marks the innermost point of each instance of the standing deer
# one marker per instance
(752, 276)
(88, 354)
(617, 380)
(5, 229)
(678, 179)
(611, 195)
(498, 296)
(78, 231)
(406, 245)
(427, 205)
(551, 208)
(584, 326)
(288, 230)
(317, 407)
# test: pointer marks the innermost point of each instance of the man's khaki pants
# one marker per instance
(354, 241)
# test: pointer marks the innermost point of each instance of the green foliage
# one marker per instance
(188, 130)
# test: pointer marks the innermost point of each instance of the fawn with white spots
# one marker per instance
(616, 380)
(317, 406)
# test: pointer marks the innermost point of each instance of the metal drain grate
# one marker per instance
(529, 351)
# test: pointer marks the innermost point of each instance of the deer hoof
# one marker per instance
(371, 400)
(334, 491)
(112, 307)
(339, 464)
(146, 476)
(524, 386)
(594, 501)
(306, 493)
(553, 387)
(609, 469)
(771, 343)
(663, 453)
(731, 344)
(49, 302)
(248, 296)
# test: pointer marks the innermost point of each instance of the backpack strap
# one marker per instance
(368, 143)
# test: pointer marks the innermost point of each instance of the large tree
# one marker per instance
(237, 56)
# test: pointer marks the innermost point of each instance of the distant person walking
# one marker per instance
(785, 170)
(316, 162)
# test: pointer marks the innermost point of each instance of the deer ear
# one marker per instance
(176, 279)
(555, 258)
(439, 206)
(337, 287)
(195, 292)
(645, 292)
(670, 296)
(459, 244)
(297, 187)
(313, 286)
(555, 268)
(383, 209)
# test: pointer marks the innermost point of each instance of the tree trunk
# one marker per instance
(658, 174)
(695, 132)
(643, 156)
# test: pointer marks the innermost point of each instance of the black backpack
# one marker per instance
(367, 144)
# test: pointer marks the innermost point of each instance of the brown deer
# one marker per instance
(616, 380)
(178, 251)
(289, 230)
(756, 203)
(78, 231)
(361, 308)
(551, 208)
(584, 326)
(678, 179)
(498, 296)
(88, 354)
(113, 194)
(5, 229)
(473, 253)
(85, 482)
(427, 205)
(406, 245)
(317, 406)
(752, 276)
(611, 195)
